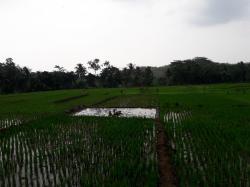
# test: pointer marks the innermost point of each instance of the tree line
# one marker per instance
(199, 70)
(14, 79)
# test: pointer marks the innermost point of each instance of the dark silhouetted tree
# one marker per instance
(110, 76)
(81, 71)
(94, 65)
(148, 77)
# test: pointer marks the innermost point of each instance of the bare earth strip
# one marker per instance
(70, 98)
(81, 107)
(166, 171)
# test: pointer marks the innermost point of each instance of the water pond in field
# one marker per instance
(119, 112)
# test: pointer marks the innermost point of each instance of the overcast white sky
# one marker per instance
(43, 33)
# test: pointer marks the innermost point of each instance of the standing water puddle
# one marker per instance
(119, 112)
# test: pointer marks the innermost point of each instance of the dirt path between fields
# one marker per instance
(70, 98)
(104, 101)
(166, 171)
(81, 107)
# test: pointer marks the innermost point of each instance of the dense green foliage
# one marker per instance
(202, 71)
(14, 79)
(199, 70)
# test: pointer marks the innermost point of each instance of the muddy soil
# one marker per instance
(82, 107)
(70, 98)
(166, 171)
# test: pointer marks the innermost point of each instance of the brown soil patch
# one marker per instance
(75, 109)
(104, 101)
(166, 171)
(70, 98)
(81, 107)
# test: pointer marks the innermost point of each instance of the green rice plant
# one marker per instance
(206, 155)
(76, 151)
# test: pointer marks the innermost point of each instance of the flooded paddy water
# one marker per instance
(119, 112)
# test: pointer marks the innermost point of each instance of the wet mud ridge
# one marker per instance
(104, 101)
(167, 176)
(81, 107)
(70, 98)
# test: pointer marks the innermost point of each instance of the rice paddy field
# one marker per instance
(207, 129)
